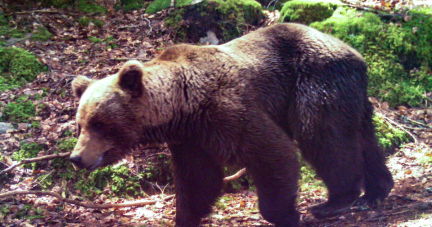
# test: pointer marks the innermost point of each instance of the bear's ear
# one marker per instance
(130, 78)
(79, 85)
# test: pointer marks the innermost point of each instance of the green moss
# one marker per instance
(89, 6)
(66, 145)
(309, 179)
(119, 179)
(399, 59)
(272, 5)
(42, 34)
(94, 39)
(84, 22)
(19, 110)
(181, 3)
(28, 150)
(17, 67)
(129, 5)
(4, 21)
(306, 12)
(389, 136)
(158, 5)
(241, 11)
(227, 18)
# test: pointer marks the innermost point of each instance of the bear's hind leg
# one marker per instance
(378, 179)
(270, 158)
(198, 180)
(336, 156)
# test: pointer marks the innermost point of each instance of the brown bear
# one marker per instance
(246, 102)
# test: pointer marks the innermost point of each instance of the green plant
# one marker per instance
(220, 204)
(66, 145)
(129, 5)
(110, 41)
(20, 110)
(118, 179)
(157, 6)
(399, 59)
(94, 39)
(308, 177)
(85, 21)
(388, 136)
(42, 34)
(306, 12)
(89, 6)
(28, 150)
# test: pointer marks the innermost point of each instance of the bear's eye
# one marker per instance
(98, 126)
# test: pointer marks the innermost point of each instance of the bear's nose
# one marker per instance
(76, 160)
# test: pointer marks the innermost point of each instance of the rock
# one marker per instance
(210, 39)
(5, 126)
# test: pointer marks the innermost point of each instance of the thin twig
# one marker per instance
(149, 24)
(88, 205)
(418, 123)
(38, 182)
(55, 87)
(397, 125)
(235, 176)
(30, 160)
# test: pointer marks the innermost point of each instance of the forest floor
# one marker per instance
(70, 53)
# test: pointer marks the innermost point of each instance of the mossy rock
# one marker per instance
(306, 12)
(399, 59)
(17, 67)
(226, 18)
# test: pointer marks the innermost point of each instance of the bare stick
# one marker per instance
(235, 176)
(418, 123)
(30, 160)
(88, 205)
(397, 125)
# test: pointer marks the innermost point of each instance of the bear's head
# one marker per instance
(110, 116)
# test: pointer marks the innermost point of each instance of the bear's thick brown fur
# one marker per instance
(243, 102)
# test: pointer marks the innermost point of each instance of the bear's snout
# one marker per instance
(76, 160)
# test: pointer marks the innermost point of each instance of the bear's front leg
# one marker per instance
(198, 180)
(271, 160)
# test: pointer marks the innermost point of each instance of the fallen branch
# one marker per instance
(30, 160)
(418, 123)
(235, 176)
(87, 205)
(397, 125)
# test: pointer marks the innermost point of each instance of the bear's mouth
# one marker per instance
(96, 164)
